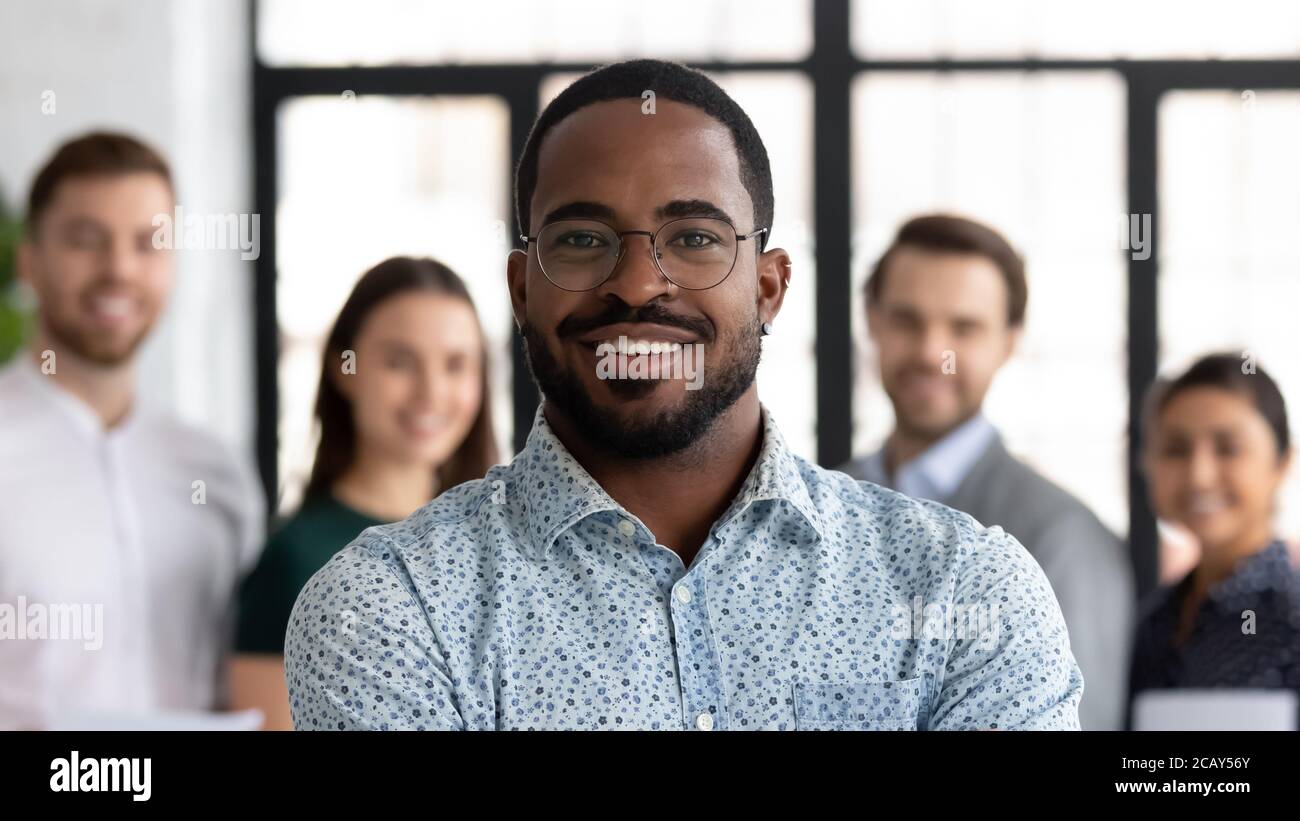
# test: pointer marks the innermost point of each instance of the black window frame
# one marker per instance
(831, 67)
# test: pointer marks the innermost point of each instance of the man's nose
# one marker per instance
(636, 278)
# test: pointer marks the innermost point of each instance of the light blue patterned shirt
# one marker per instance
(531, 599)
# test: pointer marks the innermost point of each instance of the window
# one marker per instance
(396, 32)
(1099, 29)
(366, 178)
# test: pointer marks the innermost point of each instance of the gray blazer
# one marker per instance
(1084, 562)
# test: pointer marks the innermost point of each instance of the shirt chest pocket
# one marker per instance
(876, 705)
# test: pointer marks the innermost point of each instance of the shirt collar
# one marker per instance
(939, 470)
(45, 389)
(559, 492)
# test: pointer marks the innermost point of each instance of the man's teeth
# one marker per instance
(645, 346)
(112, 307)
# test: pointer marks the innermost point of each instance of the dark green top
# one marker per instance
(302, 545)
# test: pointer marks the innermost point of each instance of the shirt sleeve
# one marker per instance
(1017, 672)
(360, 653)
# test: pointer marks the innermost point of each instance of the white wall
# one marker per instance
(176, 74)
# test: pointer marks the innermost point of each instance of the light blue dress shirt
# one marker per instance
(531, 599)
(938, 471)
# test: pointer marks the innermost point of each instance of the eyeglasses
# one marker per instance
(695, 253)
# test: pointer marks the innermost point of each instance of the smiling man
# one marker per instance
(107, 504)
(655, 557)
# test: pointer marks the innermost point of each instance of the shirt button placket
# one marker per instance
(702, 695)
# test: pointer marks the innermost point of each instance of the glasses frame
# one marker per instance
(654, 236)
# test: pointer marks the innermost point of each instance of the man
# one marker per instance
(121, 531)
(945, 309)
(656, 558)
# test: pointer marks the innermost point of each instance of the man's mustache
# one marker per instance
(649, 313)
(917, 369)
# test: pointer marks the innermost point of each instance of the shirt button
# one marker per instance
(704, 721)
(683, 594)
(626, 528)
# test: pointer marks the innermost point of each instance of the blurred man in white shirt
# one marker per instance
(122, 532)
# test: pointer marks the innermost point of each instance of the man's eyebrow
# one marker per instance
(680, 209)
(676, 209)
(579, 210)
(78, 223)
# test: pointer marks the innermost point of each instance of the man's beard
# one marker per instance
(88, 345)
(916, 425)
(666, 432)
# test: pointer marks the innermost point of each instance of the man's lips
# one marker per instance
(647, 331)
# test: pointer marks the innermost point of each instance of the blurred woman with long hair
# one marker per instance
(404, 414)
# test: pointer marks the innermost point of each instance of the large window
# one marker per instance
(1056, 123)
(1097, 29)
(366, 178)
(424, 32)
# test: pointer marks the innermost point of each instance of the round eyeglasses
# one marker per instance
(695, 253)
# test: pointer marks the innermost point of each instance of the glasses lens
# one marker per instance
(696, 253)
(577, 254)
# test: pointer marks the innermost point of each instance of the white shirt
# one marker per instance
(112, 552)
(936, 473)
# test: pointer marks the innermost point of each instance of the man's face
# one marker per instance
(91, 260)
(635, 171)
(940, 327)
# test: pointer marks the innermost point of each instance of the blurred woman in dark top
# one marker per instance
(404, 413)
(1217, 451)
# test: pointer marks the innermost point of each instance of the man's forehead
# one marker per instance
(82, 192)
(614, 154)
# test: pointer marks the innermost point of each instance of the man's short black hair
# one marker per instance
(669, 81)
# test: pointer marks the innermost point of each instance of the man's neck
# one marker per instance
(678, 497)
(108, 390)
(904, 445)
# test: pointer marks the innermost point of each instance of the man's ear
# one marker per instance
(1014, 335)
(25, 261)
(774, 275)
(517, 285)
(873, 322)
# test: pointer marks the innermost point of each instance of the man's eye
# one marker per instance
(582, 240)
(695, 239)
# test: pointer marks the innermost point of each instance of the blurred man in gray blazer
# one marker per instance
(945, 308)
